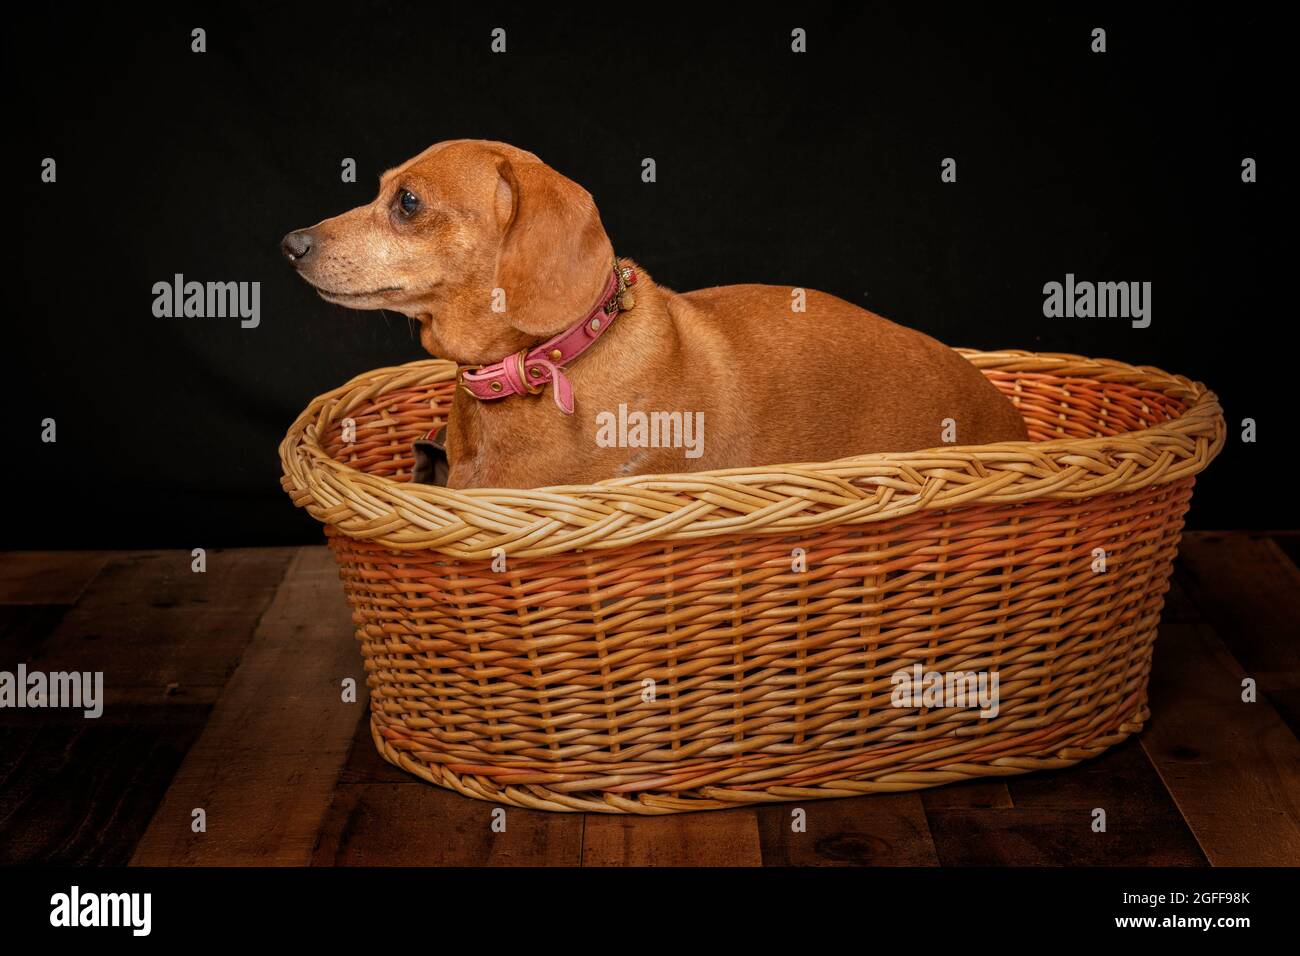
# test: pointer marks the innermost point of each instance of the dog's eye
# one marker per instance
(408, 202)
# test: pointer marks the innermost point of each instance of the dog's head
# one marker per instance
(484, 244)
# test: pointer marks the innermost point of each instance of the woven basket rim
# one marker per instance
(474, 524)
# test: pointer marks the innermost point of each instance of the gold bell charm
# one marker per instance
(626, 279)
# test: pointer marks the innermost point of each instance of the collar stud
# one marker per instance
(518, 375)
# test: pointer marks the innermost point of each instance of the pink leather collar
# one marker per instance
(529, 370)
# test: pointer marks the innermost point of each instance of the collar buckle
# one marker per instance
(513, 375)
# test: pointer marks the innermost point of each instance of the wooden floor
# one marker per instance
(223, 694)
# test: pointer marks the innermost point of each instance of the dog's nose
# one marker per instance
(296, 245)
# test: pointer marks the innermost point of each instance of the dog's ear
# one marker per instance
(554, 257)
(432, 466)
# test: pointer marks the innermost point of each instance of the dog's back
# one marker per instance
(836, 380)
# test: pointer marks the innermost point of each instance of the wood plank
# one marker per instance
(1144, 826)
(48, 577)
(1052, 837)
(161, 633)
(1049, 819)
(1122, 781)
(1232, 767)
(885, 829)
(267, 762)
(1289, 544)
(83, 795)
(1248, 591)
(381, 815)
(985, 794)
(405, 824)
(23, 629)
(365, 765)
(713, 838)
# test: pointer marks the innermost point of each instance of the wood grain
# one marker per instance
(47, 577)
(1289, 543)
(887, 829)
(1055, 837)
(1248, 589)
(415, 824)
(717, 838)
(83, 795)
(383, 815)
(1048, 819)
(1232, 767)
(267, 762)
(971, 795)
(24, 628)
(159, 632)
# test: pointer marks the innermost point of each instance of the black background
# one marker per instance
(819, 170)
(228, 906)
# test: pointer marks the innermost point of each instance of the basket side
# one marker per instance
(1100, 427)
(738, 669)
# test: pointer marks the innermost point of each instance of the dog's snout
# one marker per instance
(296, 245)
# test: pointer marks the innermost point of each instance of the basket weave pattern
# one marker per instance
(699, 641)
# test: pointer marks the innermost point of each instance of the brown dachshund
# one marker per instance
(495, 253)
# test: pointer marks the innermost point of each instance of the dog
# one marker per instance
(506, 267)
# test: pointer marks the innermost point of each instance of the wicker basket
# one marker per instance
(656, 644)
